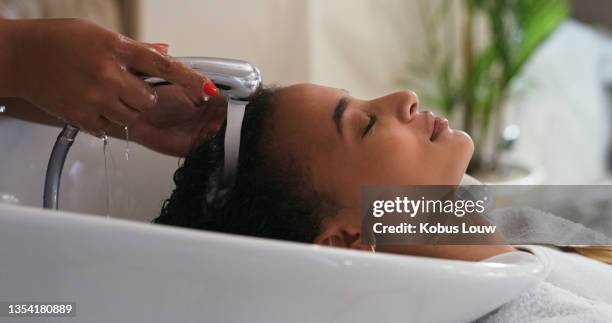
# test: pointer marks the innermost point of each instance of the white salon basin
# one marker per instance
(122, 271)
(138, 185)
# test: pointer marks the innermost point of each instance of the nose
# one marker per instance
(404, 104)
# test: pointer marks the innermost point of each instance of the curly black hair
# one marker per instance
(271, 198)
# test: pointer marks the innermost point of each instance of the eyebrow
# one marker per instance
(339, 112)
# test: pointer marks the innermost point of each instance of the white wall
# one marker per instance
(269, 33)
(363, 45)
(359, 45)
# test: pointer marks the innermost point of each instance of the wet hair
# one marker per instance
(271, 198)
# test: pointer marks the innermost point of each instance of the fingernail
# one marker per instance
(161, 47)
(210, 88)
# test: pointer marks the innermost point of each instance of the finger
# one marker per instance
(137, 94)
(175, 97)
(148, 61)
(161, 48)
(121, 113)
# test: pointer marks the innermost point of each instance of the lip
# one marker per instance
(439, 126)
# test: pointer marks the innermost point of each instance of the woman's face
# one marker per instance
(344, 143)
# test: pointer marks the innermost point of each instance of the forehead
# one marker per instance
(307, 96)
(303, 117)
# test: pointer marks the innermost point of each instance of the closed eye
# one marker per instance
(370, 125)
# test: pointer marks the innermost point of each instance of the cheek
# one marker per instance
(400, 158)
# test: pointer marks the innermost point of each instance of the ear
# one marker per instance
(342, 230)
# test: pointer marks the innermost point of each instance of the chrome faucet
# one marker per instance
(236, 79)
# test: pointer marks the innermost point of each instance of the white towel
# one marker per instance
(577, 289)
(526, 225)
(548, 303)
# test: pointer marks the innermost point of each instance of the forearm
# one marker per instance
(9, 53)
(16, 106)
(24, 110)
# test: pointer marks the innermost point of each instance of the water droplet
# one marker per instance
(127, 143)
(106, 153)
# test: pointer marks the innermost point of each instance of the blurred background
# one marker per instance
(531, 81)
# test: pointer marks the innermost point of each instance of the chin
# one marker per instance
(465, 141)
(460, 141)
(463, 148)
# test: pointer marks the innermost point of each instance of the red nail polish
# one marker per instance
(210, 88)
(161, 47)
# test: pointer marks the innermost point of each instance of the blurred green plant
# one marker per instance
(495, 38)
